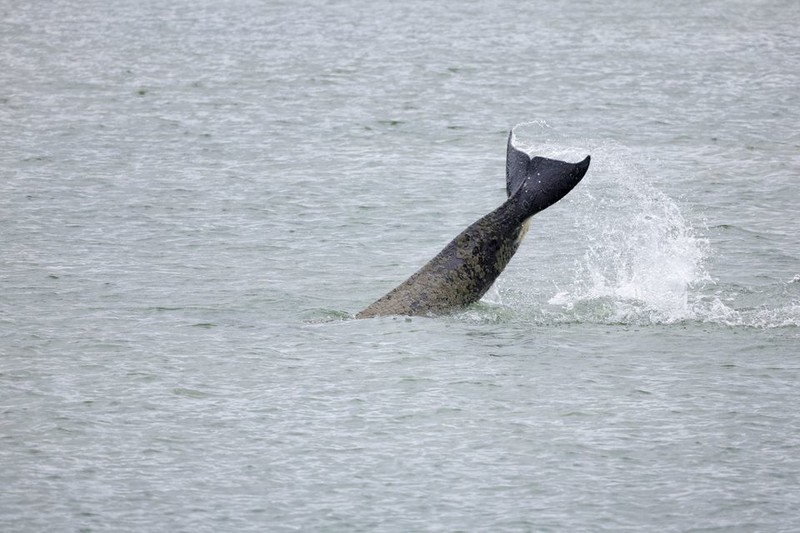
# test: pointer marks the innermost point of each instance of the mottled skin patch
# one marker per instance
(461, 273)
(468, 266)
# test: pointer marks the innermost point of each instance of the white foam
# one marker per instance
(641, 251)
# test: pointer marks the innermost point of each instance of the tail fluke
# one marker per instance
(550, 180)
(516, 166)
(543, 181)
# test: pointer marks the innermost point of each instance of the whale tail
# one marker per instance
(542, 181)
(465, 269)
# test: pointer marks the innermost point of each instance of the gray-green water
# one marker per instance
(196, 197)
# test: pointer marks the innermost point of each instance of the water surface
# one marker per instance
(196, 198)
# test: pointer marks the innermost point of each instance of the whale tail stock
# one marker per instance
(545, 181)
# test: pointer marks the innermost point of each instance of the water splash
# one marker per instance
(643, 258)
(644, 261)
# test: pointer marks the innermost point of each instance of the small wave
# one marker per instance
(324, 315)
(715, 311)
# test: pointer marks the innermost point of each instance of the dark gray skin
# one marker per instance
(467, 267)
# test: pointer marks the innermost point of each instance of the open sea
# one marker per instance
(197, 196)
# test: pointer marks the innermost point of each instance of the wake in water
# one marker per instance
(644, 261)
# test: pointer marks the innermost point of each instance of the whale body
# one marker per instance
(467, 267)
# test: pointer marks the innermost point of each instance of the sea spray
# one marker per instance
(643, 258)
(643, 261)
